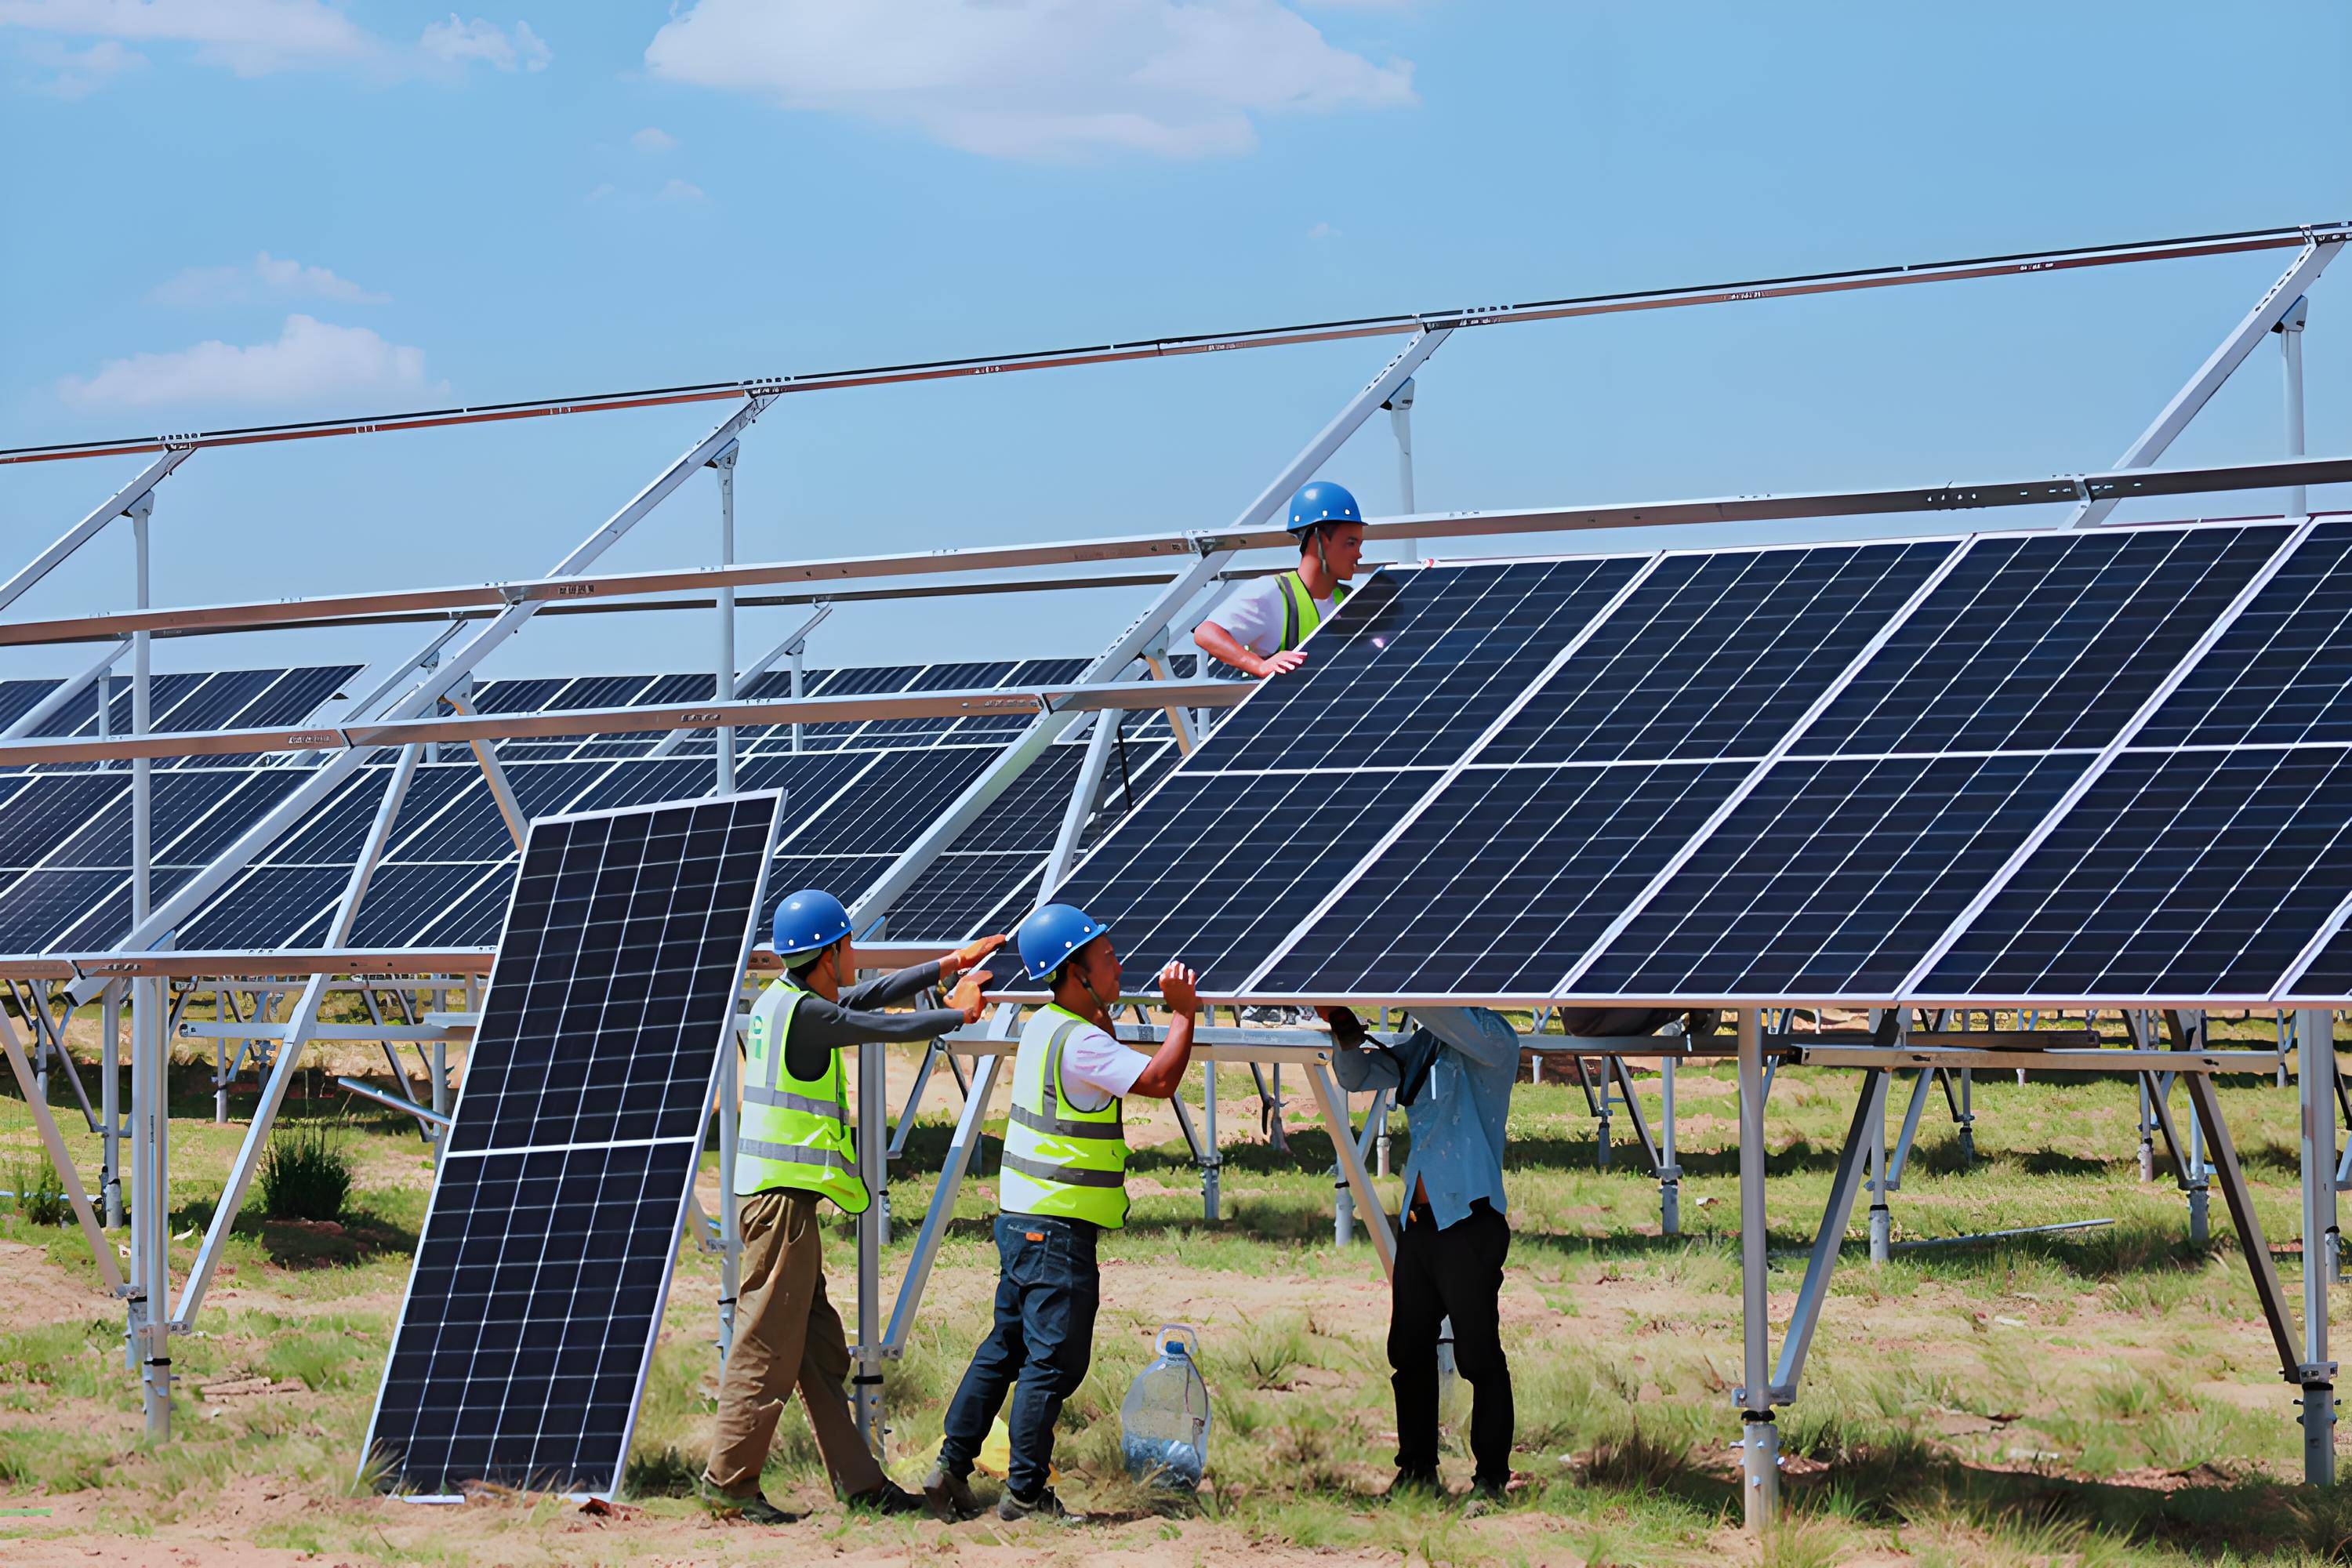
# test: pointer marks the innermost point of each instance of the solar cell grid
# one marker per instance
(1831, 877)
(1502, 881)
(2045, 641)
(2178, 874)
(895, 796)
(1717, 655)
(2282, 673)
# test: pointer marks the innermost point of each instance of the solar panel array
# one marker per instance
(2057, 766)
(528, 1325)
(204, 700)
(859, 795)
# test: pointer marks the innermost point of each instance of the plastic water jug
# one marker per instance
(1164, 1422)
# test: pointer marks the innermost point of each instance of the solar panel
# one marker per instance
(2178, 874)
(1503, 882)
(2040, 642)
(2282, 673)
(1833, 877)
(532, 1312)
(1716, 655)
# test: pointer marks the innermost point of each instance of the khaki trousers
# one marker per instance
(786, 1335)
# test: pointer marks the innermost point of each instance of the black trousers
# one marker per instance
(1454, 1273)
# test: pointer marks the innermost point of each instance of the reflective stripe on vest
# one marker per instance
(1299, 616)
(1058, 1160)
(795, 1131)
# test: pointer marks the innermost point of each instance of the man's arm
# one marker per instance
(1221, 645)
(1480, 1034)
(885, 989)
(1161, 1075)
(821, 1027)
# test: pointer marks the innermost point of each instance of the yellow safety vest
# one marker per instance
(1058, 1160)
(1299, 616)
(795, 1131)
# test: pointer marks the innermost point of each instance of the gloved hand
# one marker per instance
(966, 997)
(964, 957)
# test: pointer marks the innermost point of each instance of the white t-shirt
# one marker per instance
(1253, 616)
(1096, 1068)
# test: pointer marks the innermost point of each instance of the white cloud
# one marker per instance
(653, 140)
(456, 42)
(256, 38)
(310, 360)
(77, 73)
(1033, 79)
(264, 274)
(603, 188)
(1322, 231)
(250, 37)
(681, 191)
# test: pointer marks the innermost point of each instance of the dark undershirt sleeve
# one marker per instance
(885, 989)
(821, 1027)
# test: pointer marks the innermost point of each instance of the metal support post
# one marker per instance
(2290, 331)
(151, 1208)
(932, 1054)
(1760, 1445)
(2316, 1072)
(799, 683)
(1213, 1158)
(1334, 1106)
(874, 1166)
(1400, 407)
(724, 666)
(1343, 1202)
(1882, 1218)
(1902, 1155)
(1670, 1174)
(110, 1091)
(2200, 1182)
(2147, 1132)
(1967, 1116)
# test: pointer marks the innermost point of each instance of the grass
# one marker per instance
(2099, 1396)
(40, 1193)
(306, 1173)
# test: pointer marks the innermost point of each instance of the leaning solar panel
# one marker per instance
(531, 1317)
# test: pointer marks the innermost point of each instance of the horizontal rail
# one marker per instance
(1895, 1059)
(401, 1033)
(1119, 696)
(2016, 264)
(2125, 484)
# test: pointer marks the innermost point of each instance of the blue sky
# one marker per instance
(251, 210)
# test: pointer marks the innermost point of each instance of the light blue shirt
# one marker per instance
(1457, 1119)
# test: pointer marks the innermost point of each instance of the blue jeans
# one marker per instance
(1048, 1289)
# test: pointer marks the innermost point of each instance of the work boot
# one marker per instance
(949, 1495)
(1044, 1505)
(753, 1509)
(1486, 1497)
(887, 1498)
(1415, 1485)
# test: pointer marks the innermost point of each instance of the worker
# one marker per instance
(1258, 629)
(1453, 1077)
(1063, 1184)
(795, 1150)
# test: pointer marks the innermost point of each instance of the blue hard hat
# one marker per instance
(1320, 502)
(809, 920)
(1048, 938)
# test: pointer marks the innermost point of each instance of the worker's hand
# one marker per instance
(1179, 987)
(966, 997)
(964, 957)
(1346, 1029)
(1283, 663)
